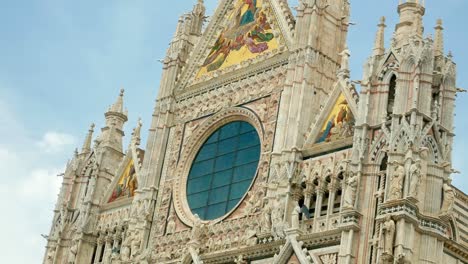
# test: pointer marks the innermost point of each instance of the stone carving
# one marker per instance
(345, 54)
(250, 237)
(135, 244)
(266, 217)
(449, 199)
(388, 236)
(125, 249)
(240, 260)
(277, 216)
(396, 184)
(350, 191)
(107, 253)
(50, 256)
(171, 224)
(329, 258)
(73, 252)
(254, 203)
(295, 217)
(197, 229)
(416, 179)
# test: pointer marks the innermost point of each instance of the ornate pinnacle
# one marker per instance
(439, 39)
(118, 105)
(379, 45)
(87, 143)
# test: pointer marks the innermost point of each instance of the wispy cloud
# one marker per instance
(54, 142)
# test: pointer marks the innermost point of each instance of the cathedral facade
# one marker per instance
(261, 149)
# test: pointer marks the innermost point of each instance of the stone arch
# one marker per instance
(377, 148)
(401, 141)
(434, 151)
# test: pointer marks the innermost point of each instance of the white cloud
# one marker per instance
(54, 142)
(41, 184)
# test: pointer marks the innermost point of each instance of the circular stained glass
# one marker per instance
(223, 170)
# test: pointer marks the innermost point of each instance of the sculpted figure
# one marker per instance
(396, 184)
(416, 178)
(350, 191)
(73, 252)
(388, 236)
(266, 217)
(135, 244)
(171, 224)
(295, 217)
(107, 253)
(197, 229)
(125, 250)
(345, 54)
(449, 198)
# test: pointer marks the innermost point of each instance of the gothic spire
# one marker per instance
(379, 45)
(439, 39)
(89, 138)
(117, 107)
(411, 15)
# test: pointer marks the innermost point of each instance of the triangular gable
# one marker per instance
(240, 31)
(339, 122)
(248, 34)
(126, 185)
(337, 119)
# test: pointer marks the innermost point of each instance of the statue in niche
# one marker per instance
(351, 190)
(125, 250)
(388, 236)
(171, 224)
(266, 217)
(396, 184)
(416, 178)
(449, 198)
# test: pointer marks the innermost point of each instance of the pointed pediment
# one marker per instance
(241, 33)
(334, 127)
(247, 35)
(125, 183)
(339, 122)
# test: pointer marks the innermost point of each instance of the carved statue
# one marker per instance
(73, 252)
(350, 191)
(416, 178)
(295, 217)
(345, 54)
(449, 198)
(388, 236)
(125, 250)
(135, 244)
(396, 184)
(197, 229)
(266, 217)
(171, 224)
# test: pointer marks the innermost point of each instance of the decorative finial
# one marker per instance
(136, 139)
(118, 105)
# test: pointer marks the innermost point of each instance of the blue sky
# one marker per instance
(62, 64)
